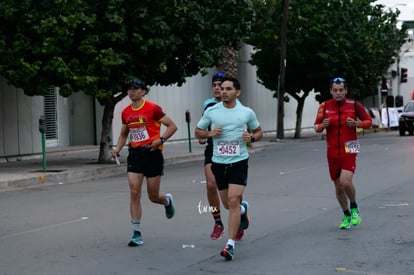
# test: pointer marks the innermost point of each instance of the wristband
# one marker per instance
(163, 139)
(252, 139)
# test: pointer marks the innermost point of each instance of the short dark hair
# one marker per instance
(236, 83)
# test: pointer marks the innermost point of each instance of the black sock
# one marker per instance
(347, 213)
(217, 217)
(354, 205)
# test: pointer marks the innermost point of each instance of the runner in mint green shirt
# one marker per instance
(229, 147)
(233, 125)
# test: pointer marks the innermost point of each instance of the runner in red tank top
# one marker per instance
(340, 116)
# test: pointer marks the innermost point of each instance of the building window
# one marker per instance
(51, 116)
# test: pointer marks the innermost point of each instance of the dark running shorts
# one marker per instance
(149, 163)
(235, 173)
(208, 154)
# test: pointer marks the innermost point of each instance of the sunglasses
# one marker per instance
(338, 80)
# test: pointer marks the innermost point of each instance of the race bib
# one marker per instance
(352, 146)
(138, 134)
(228, 148)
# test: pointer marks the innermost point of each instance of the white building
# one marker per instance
(396, 88)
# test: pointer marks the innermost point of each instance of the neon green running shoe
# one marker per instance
(346, 222)
(355, 217)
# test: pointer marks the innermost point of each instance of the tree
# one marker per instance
(94, 46)
(352, 39)
(231, 42)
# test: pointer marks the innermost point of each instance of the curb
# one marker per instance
(88, 172)
(95, 171)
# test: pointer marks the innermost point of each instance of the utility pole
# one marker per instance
(282, 76)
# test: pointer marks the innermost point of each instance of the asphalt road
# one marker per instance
(83, 228)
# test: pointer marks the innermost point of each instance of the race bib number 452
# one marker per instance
(228, 148)
(138, 134)
(352, 146)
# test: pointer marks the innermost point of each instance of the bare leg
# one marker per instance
(212, 193)
(234, 195)
(153, 189)
(344, 189)
(135, 187)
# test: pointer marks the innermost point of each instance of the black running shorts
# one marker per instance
(234, 173)
(208, 154)
(149, 163)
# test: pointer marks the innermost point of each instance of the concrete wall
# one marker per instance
(19, 122)
(176, 100)
(19, 118)
(82, 119)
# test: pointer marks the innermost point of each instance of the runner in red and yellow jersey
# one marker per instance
(141, 124)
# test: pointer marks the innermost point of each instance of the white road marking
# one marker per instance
(393, 205)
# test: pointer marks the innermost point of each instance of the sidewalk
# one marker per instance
(79, 163)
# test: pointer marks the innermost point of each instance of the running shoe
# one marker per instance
(217, 231)
(136, 239)
(169, 209)
(346, 222)
(227, 252)
(244, 219)
(240, 234)
(355, 217)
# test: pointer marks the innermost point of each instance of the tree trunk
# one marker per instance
(299, 111)
(106, 141)
(229, 61)
(282, 69)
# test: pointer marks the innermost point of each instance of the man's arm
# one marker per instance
(204, 134)
(255, 135)
(365, 120)
(320, 124)
(121, 140)
(171, 128)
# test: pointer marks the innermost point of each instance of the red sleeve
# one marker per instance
(123, 116)
(158, 113)
(365, 119)
(319, 118)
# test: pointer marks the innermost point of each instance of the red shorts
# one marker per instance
(336, 164)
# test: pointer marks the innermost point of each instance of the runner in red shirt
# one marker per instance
(340, 116)
(141, 122)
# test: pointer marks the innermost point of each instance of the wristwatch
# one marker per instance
(252, 139)
(163, 139)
